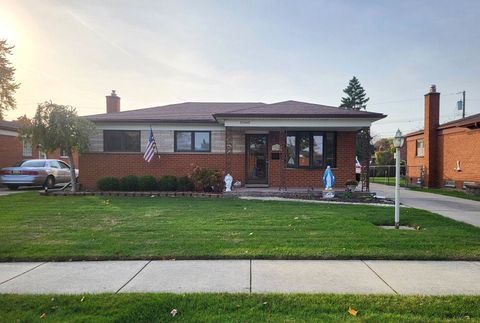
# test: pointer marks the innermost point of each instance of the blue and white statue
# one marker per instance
(228, 179)
(328, 179)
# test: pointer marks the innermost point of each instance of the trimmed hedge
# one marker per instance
(185, 184)
(148, 183)
(167, 183)
(108, 183)
(129, 183)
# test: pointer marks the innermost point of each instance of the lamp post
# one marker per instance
(398, 141)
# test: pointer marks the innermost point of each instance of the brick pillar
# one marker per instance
(432, 114)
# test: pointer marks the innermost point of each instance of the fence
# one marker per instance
(409, 175)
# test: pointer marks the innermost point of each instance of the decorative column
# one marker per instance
(282, 138)
(228, 150)
(365, 144)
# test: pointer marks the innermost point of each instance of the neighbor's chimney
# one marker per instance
(113, 102)
(432, 116)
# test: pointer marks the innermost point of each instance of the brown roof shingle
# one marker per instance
(210, 111)
(9, 125)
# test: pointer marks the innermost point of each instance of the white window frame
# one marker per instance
(27, 148)
(42, 154)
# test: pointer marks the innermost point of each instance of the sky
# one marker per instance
(160, 52)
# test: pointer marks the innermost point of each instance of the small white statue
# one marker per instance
(228, 179)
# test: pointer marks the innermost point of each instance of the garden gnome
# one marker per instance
(228, 179)
(328, 179)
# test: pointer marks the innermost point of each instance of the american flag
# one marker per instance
(151, 148)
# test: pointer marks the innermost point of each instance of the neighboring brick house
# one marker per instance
(447, 154)
(285, 144)
(13, 150)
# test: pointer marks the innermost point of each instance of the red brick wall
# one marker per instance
(462, 145)
(95, 165)
(11, 151)
(452, 144)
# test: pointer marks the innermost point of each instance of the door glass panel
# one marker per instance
(257, 159)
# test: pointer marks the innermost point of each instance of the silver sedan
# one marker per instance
(36, 172)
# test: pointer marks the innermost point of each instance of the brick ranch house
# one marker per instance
(285, 144)
(448, 153)
(13, 150)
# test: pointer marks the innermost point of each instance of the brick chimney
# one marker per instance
(432, 114)
(113, 102)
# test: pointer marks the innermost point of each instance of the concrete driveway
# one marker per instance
(463, 210)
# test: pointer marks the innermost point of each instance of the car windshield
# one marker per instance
(33, 163)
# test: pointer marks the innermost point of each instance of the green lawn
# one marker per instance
(237, 308)
(34, 227)
(387, 181)
(448, 192)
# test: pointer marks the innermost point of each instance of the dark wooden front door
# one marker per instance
(256, 152)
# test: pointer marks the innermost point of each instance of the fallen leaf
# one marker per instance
(265, 303)
(251, 233)
(43, 315)
(174, 312)
(295, 218)
(83, 298)
(53, 298)
(352, 312)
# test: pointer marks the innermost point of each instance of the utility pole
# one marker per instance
(463, 105)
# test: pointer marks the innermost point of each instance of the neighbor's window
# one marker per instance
(186, 141)
(121, 140)
(420, 148)
(42, 154)
(307, 149)
(27, 148)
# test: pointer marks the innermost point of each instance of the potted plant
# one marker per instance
(351, 185)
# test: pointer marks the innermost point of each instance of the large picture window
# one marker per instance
(311, 149)
(121, 140)
(196, 141)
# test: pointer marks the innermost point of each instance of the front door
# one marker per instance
(257, 158)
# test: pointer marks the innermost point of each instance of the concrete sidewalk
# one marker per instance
(243, 276)
(463, 210)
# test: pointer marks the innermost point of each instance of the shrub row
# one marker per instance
(145, 183)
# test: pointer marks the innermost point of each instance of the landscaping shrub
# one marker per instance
(167, 183)
(184, 184)
(108, 183)
(129, 183)
(207, 180)
(148, 183)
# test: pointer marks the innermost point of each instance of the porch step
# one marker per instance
(256, 185)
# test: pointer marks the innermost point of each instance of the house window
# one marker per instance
(420, 148)
(197, 141)
(63, 153)
(42, 154)
(307, 149)
(27, 148)
(121, 140)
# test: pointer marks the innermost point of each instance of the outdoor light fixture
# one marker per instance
(398, 142)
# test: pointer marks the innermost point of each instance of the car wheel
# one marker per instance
(49, 182)
(12, 187)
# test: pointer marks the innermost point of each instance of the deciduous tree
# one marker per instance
(7, 80)
(59, 127)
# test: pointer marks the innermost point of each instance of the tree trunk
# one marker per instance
(73, 176)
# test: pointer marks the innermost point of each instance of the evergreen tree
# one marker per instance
(356, 96)
(7, 80)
